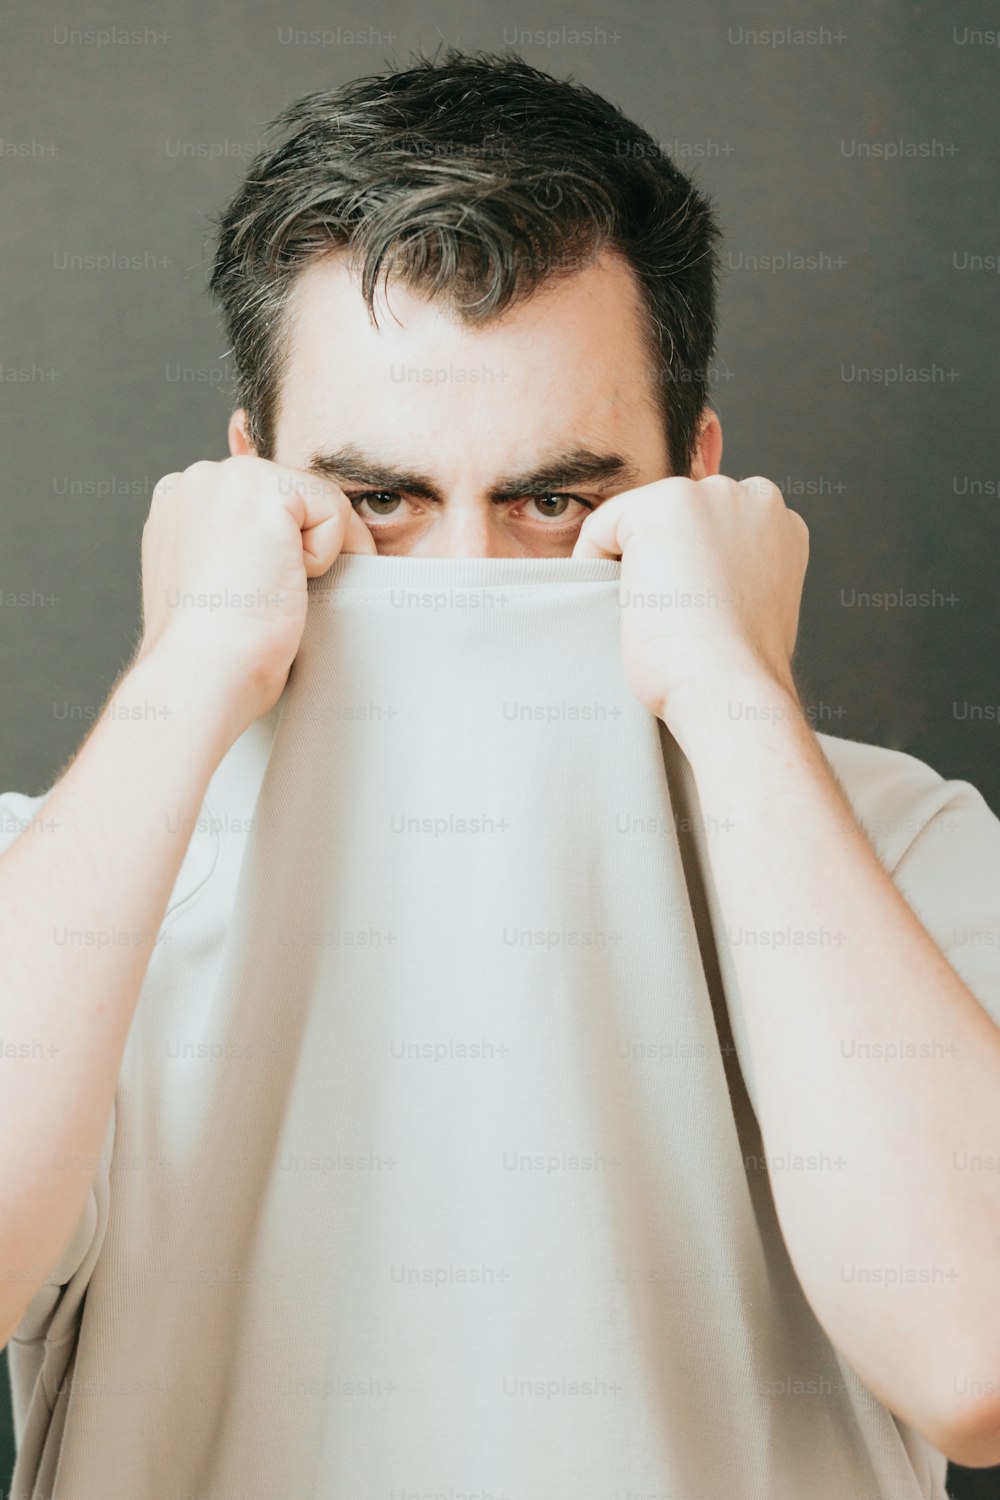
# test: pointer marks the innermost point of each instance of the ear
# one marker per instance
(708, 448)
(239, 441)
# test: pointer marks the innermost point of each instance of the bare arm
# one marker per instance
(871, 1056)
(83, 891)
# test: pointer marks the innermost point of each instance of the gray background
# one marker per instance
(114, 377)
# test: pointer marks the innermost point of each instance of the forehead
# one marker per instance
(570, 357)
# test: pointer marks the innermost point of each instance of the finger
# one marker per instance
(358, 537)
(598, 536)
(310, 498)
(799, 523)
(344, 531)
(321, 545)
(761, 488)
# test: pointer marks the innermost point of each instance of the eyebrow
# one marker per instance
(574, 466)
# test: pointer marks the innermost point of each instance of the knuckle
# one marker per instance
(721, 491)
(763, 489)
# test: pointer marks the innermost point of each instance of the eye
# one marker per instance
(552, 506)
(381, 503)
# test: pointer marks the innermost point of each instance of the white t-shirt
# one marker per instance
(299, 1359)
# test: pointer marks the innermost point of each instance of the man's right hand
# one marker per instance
(227, 549)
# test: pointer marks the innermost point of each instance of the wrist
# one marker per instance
(201, 712)
(709, 714)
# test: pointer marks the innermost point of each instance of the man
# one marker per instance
(534, 387)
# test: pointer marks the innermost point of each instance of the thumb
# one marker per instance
(357, 537)
(323, 543)
(598, 536)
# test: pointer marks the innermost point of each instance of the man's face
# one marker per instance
(454, 441)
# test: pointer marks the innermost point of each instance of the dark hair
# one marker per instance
(474, 177)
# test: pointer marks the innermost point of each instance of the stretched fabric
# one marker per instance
(451, 1183)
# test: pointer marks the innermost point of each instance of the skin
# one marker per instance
(511, 396)
(784, 845)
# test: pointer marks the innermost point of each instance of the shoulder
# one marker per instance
(939, 840)
(897, 797)
(218, 831)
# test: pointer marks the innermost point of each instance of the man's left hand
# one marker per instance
(711, 584)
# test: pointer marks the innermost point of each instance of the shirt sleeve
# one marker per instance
(56, 1302)
(950, 876)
